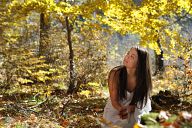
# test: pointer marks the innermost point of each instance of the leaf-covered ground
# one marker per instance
(81, 112)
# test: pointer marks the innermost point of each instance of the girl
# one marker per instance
(130, 85)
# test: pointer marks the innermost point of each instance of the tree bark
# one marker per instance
(44, 43)
(159, 61)
(72, 87)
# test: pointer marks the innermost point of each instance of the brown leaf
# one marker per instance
(64, 123)
(166, 124)
(97, 109)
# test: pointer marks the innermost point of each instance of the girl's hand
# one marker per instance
(123, 112)
(131, 108)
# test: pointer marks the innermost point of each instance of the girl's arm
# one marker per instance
(112, 83)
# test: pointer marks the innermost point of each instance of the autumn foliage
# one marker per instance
(55, 56)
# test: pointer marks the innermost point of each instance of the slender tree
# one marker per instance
(44, 43)
(71, 57)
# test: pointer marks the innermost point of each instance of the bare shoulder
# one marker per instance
(114, 71)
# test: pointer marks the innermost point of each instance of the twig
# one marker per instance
(184, 16)
(64, 105)
(47, 99)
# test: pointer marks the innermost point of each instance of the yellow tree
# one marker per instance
(67, 13)
(150, 20)
(19, 60)
(154, 21)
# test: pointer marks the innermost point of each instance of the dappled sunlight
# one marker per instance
(56, 55)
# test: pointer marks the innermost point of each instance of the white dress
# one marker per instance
(112, 115)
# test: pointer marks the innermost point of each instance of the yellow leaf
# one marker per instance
(136, 126)
(85, 93)
(93, 84)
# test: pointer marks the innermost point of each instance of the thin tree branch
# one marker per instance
(176, 21)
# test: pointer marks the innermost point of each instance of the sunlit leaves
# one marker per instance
(150, 19)
(24, 81)
(85, 93)
(184, 5)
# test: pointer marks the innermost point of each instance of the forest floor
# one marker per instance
(73, 111)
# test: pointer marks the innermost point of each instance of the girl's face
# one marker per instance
(131, 58)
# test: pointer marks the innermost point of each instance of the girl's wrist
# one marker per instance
(120, 108)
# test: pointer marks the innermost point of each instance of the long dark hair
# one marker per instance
(143, 79)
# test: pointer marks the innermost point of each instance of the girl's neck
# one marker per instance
(131, 72)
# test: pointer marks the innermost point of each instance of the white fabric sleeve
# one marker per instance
(139, 112)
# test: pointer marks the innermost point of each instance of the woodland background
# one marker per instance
(55, 56)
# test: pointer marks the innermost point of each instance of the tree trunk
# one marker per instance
(44, 43)
(72, 86)
(159, 61)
